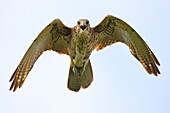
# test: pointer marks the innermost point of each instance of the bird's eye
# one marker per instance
(87, 22)
(78, 22)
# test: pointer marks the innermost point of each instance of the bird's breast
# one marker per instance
(81, 47)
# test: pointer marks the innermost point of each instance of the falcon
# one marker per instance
(78, 43)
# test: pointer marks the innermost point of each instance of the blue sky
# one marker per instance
(121, 84)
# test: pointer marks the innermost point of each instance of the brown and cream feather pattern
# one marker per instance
(78, 43)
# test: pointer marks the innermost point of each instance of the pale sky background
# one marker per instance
(121, 84)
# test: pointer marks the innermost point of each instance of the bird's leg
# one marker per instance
(78, 70)
(85, 64)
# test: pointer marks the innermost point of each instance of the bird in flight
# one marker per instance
(78, 43)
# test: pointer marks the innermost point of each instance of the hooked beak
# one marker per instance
(83, 27)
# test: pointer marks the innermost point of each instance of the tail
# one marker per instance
(75, 81)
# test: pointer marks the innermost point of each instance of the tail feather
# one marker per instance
(87, 77)
(75, 81)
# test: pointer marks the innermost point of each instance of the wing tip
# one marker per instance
(15, 84)
(12, 87)
(155, 59)
(151, 68)
(157, 73)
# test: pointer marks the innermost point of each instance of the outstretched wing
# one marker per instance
(55, 37)
(112, 30)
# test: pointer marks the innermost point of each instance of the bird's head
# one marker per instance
(83, 25)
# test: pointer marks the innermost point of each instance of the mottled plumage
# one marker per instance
(78, 42)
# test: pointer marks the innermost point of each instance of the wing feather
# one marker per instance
(55, 37)
(112, 30)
